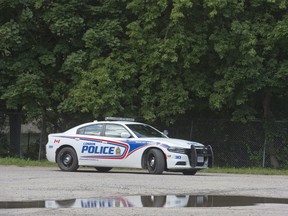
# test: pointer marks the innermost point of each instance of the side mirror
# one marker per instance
(125, 135)
(165, 132)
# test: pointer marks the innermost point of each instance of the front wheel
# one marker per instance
(155, 161)
(67, 159)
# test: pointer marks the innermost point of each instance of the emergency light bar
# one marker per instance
(119, 119)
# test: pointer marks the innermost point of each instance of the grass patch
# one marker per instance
(25, 162)
(255, 171)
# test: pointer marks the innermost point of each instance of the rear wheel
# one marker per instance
(67, 159)
(103, 169)
(155, 161)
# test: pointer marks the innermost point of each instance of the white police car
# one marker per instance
(121, 142)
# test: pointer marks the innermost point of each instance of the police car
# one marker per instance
(121, 142)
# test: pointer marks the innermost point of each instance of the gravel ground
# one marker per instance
(39, 183)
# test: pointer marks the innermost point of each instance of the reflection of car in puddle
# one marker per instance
(174, 201)
(147, 201)
(164, 201)
(100, 202)
(130, 201)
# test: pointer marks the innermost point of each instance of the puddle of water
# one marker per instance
(146, 201)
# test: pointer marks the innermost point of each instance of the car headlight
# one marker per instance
(177, 150)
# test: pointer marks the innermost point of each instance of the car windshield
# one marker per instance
(142, 130)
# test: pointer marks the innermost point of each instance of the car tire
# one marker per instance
(155, 161)
(190, 172)
(67, 159)
(103, 169)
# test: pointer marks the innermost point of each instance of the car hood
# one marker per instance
(171, 142)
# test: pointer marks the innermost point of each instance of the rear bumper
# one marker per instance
(50, 152)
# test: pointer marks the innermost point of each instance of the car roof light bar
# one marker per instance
(118, 119)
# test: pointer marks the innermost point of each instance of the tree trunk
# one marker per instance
(268, 126)
(15, 132)
(43, 137)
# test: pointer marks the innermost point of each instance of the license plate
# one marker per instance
(200, 159)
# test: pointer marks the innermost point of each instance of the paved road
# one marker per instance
(50, 184)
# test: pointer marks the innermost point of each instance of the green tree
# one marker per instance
(37, 37)
(250, 40)
(108, 73)
(153, 60)
(145, 61)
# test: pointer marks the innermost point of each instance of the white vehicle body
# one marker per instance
(108, 144)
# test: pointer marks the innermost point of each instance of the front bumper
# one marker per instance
(195, 158)
(199, 155)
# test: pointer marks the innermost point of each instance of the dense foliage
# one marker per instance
(153, 60)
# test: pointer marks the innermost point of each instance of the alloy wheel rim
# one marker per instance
(152, 162)
(67, 159)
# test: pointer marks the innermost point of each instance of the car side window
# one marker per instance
(114, 130)
(95, 130)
